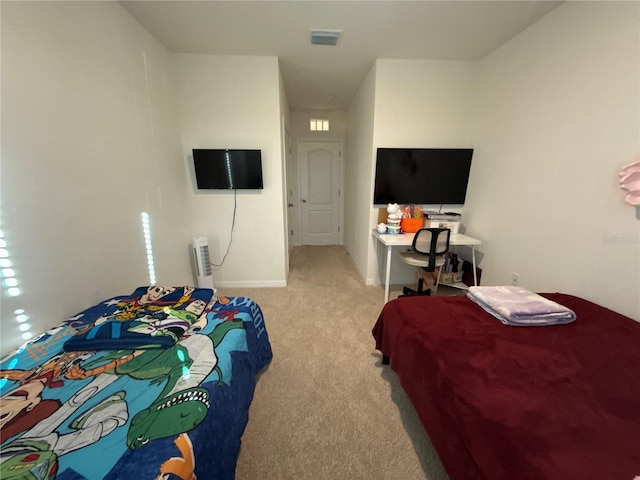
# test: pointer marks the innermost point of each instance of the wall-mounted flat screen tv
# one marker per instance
(224, 169)
(422, 175)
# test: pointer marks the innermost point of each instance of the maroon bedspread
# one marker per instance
(519, 403)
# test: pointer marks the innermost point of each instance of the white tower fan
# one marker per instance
(202, 262)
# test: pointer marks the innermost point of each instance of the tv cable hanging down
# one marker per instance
(201, 258)
(233, 224)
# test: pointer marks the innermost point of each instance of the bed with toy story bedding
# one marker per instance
(152, 385)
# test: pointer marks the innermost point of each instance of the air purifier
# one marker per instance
(202, 262)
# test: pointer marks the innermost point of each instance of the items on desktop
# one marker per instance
(411, 218)
(394, 216)
(408, 219)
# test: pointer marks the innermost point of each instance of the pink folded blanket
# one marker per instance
(518, 306)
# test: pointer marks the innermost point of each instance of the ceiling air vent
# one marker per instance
(325, 37)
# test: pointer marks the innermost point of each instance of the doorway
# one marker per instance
(320, 170)
(288, 192)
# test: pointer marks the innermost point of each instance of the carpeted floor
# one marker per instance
(325, 408)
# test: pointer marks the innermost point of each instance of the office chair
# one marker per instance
(427, 253)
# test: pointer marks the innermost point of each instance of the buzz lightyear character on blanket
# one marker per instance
(170, 321)
(183, 403)
(180, 407)
(149, 301)
(38, 449)
(35, 421)
(160, 329)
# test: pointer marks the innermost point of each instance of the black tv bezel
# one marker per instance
(435, 196)
(205, 182)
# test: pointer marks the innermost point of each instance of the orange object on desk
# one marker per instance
(411, 225)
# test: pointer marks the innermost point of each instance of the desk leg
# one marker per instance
(473, 258)
(387, 275)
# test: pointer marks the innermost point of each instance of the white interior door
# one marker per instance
(289, 189)
(320, 166)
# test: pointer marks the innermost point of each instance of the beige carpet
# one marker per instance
(325, 408)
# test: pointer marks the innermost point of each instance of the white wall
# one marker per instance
(418, 103)
(287, 180)
(358, 192)
(89, 141)
(234, 102)
(558, 116)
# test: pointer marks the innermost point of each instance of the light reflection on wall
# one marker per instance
(146, 230)
(228, 162)
(11, 287)
(9, 280)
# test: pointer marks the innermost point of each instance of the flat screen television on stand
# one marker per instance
(225, 169)
(422, 176)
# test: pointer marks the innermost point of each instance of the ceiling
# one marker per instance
(327, 77)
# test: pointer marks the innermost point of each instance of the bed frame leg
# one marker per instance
(385, 360)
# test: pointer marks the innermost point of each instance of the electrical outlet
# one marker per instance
(515, 278)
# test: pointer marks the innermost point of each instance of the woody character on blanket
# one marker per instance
(156, 384)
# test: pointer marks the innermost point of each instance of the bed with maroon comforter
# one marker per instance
(505, 402)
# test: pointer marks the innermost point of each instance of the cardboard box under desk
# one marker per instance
(445, 277)
(465, 276)
(449, 277)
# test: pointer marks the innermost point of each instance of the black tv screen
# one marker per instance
(422, 175)
(224, 169)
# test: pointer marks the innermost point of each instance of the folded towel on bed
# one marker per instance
(520, 307)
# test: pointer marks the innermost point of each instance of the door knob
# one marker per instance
(290, 204)
(304, 200)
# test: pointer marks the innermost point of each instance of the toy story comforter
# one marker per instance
(152, 385)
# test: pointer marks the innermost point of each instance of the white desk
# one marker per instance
(406, 239)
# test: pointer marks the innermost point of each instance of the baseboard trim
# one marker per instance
(251, 284)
